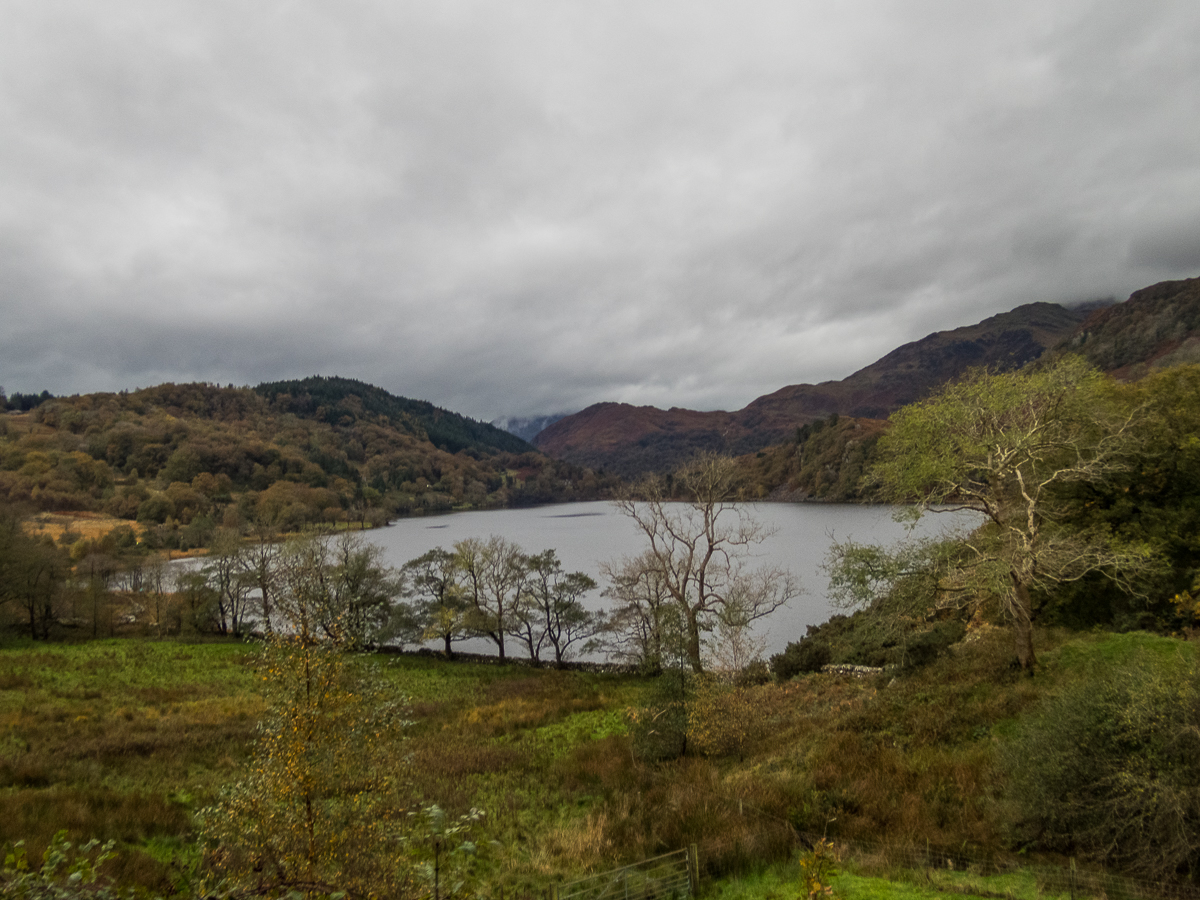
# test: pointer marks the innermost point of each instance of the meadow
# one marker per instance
(127, 739)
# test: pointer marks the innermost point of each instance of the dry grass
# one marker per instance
(92, 526)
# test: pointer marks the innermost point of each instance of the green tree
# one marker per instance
(1155, 499)
(493, 578)
(441, 606)
(1005, 446)
(698, 550)
(550, 613)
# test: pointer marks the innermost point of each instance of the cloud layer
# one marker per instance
(520, 208)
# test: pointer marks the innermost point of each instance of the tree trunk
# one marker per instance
(1023, 624)
(693, 643)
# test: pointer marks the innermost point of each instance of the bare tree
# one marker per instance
(700, 548)
(644, 623)
(32, 574)
(260, 560)
(223, 570)
(159, 583)
(363, 588)
(338, 587)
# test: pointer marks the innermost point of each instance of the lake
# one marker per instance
(589, 534)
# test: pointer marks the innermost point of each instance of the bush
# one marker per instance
(807, 655)
(869, 637)
(1111, 769)
(722, 718)
(659, 730)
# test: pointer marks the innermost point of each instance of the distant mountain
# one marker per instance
(629, 440)
(526, 428)
(337, 400)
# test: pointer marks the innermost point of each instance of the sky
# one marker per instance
(524, 207)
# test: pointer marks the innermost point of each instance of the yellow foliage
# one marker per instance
(818, 868)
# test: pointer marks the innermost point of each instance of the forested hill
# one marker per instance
(181, 459)
(341, 401)
(1157, 327)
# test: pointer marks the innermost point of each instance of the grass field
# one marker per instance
(125, 739)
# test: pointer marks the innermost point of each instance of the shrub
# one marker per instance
(869, 637)
(1111, 769)
(722, 718)
(659, 730)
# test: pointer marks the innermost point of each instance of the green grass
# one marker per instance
(120, 740)
(782, 882)
(124, 739)
(1084, 652)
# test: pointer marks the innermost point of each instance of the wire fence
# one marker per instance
(672, 876)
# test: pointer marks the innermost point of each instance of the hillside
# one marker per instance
(1156, 327)
(630, 440)
(328, 399)
(182, 459)
(526, 428)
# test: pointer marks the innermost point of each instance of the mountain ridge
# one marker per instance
(1159, 324)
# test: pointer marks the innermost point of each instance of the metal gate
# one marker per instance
(672, 876)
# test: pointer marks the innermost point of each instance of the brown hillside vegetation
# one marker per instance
(826, 461)
(630, 440)
(1156, 327)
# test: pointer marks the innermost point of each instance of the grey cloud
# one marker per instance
(530, 207)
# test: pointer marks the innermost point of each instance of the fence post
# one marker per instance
(554, 892)
(693, 870)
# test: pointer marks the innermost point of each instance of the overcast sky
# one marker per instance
(512, 208)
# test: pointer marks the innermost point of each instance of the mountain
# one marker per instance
(629, 440)
(1156, 327)
(528, 427)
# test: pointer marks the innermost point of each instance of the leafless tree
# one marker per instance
(701, 549)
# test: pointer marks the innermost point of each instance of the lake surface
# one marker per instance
(586, 535)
